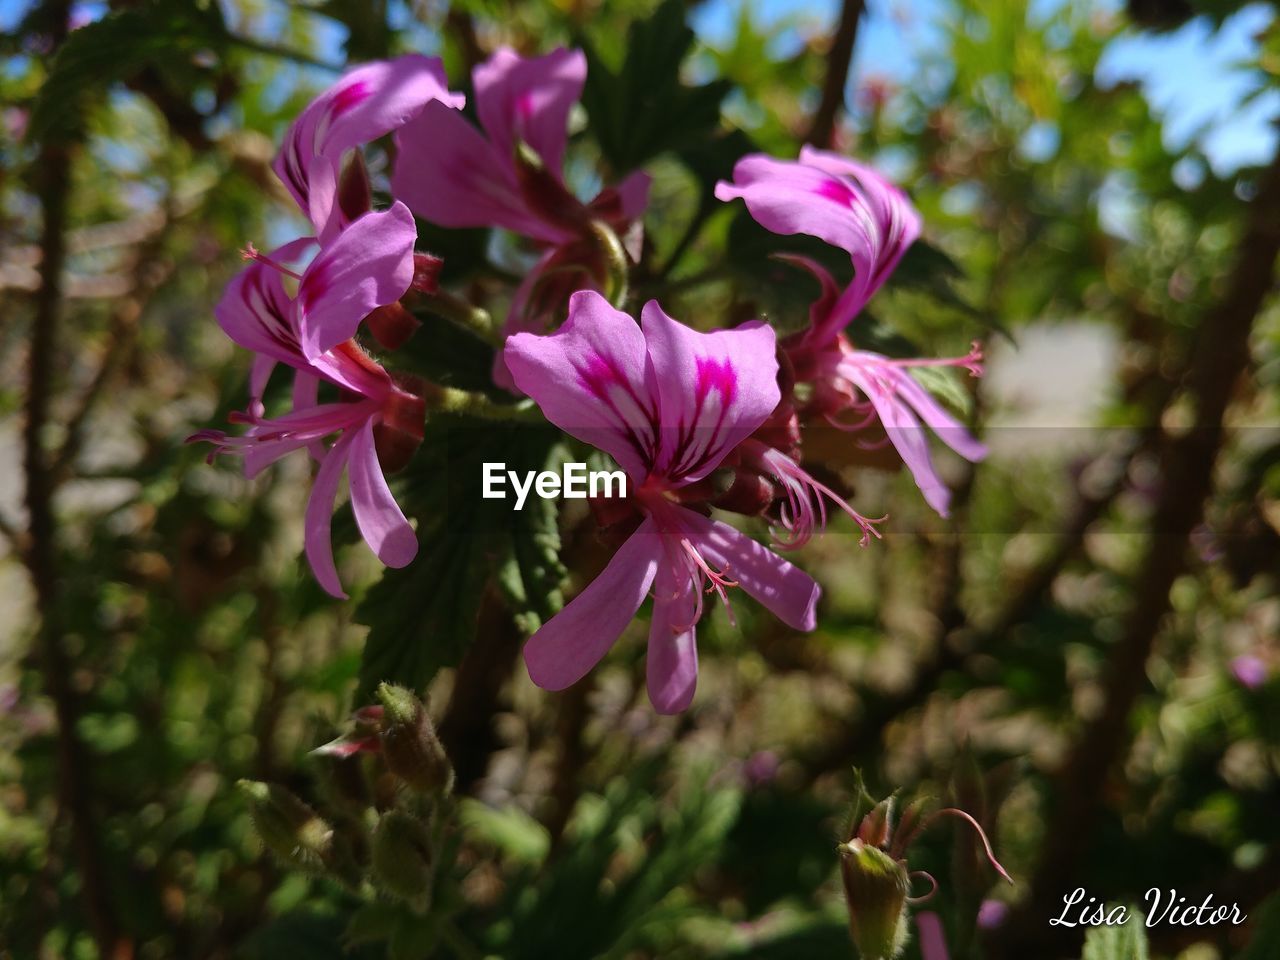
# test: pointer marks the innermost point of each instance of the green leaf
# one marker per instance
(1128, 942)
(423, 617)
(163, 35)
(444, 353)
(946, 385)
(509, 829)
(642, 109)
(1265, 944)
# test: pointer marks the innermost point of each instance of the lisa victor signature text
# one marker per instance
(1163, 907)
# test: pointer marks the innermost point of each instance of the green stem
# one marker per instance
(615, 261)
(453, 400)
(464, 314)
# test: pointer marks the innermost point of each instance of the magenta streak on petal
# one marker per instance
(836, 191)
(260, 300)
(315, 286)
(348, 98)
(713, 377)
(603, 380)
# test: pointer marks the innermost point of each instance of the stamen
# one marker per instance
(924, 897)
(805, 509)
(971, 361)
(718, 582)
(250, 252)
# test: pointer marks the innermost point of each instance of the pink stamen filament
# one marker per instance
(805, 509)
(924, 897)
(250, 252)
(718, 582)
(982, 835)
(972, 361)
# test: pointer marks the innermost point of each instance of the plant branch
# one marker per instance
(839, 59)
(52, 181)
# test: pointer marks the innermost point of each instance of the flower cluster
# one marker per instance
(700, 421)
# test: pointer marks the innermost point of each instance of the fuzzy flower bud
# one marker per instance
(403, 862)
(409, 743)
(876, 887)
(290, 829)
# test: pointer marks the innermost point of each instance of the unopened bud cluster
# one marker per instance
(384, 786)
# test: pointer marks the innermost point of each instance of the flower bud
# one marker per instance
(288, 827)
(397, 437)
(403, 863)
(876, 888)
(409, 743)
(355, 196)
(392, 325)
(750, 494)
(426, 273)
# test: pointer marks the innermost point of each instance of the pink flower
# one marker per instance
(369, 264)
(457, 176)
(365, 104)
(668, 404)
(854, 208)
(508, 174)
(830, 197)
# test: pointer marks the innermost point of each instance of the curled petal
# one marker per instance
(368, 265)
(362, 106)
(378, 516)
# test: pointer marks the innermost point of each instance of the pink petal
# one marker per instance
(378, 516)
(786, 590)
(449, 174)
(672, 662)
(368, 265)
(280, 436)
(589, 378)
(259, 374)
(715, 389)
(933, 945)
(898, 399)
(906, 434)
(520, 318)
(316, 538)
(847, 204)
(362, 106)
(256, 313)
(306, 391)
(568, 645)
(633, 192)
(529, 99)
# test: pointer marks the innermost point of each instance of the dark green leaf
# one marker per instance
(642, 109)
(423, 617)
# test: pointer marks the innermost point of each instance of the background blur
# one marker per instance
(1084, 656)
